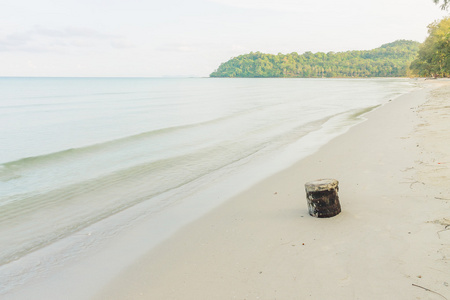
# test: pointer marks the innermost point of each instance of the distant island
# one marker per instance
(389, 60)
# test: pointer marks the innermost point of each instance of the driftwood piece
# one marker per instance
(322, 197)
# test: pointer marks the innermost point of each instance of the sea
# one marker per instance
(84, 160)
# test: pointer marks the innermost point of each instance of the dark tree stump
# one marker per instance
(323, 199)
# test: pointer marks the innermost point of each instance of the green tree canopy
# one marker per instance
(434, 54)
(389, 60)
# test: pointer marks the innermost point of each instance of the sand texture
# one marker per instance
(389, 242)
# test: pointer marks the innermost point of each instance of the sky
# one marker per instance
(159, 38)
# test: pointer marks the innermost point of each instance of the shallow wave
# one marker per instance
(70, 153)
(10, 170)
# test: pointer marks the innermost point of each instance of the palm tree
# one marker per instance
(444, 5)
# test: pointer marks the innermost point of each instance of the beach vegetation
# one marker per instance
(389, 60)
(434, 54)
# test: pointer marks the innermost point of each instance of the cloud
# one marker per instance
(176, 47)
(121, 44)
(239, 48)
(72, 32)
(41, 39)
(272, 5)
(313, 9)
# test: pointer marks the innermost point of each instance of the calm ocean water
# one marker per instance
(79, 152)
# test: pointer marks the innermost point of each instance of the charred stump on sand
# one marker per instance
(323, 199)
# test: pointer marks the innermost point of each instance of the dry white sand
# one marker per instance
(389, 242)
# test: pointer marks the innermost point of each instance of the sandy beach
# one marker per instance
(389, 242)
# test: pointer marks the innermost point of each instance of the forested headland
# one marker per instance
(389, 60)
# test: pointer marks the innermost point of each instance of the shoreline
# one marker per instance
(263, 244)
(220, 250)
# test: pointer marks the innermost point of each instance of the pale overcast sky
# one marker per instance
(191, 37)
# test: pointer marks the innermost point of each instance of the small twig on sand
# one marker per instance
(411, 185)
(446, 228)
(428, 290)
(439, 198)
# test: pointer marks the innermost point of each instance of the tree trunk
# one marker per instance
(322, 197)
